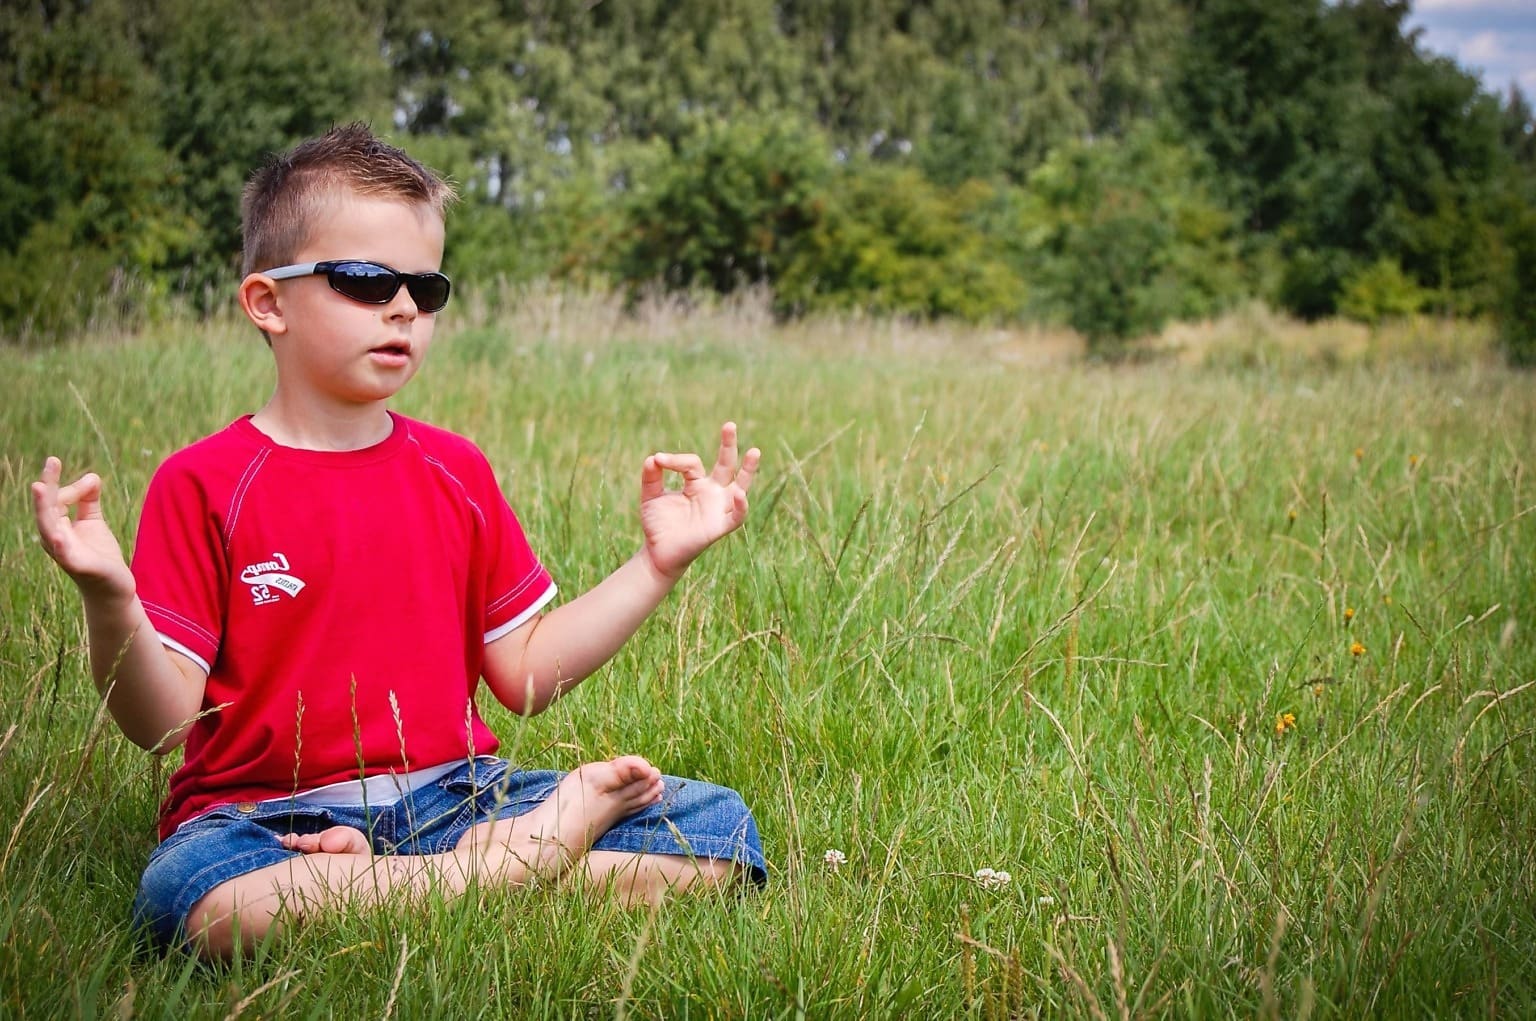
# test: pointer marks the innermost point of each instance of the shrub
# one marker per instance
(1379, 292)
(1516, 311)
(892, 242)
(727, 209)
(1125, 235)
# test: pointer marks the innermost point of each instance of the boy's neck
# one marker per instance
(332, 429)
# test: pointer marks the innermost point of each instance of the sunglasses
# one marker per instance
(372, 283)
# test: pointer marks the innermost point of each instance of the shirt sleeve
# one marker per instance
(517, 585)
(179, 565)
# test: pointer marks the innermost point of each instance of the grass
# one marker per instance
(995, 607)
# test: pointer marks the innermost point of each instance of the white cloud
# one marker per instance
(1484, 49)
(1495, 39)
(1473, 8)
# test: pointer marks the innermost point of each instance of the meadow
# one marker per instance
(1222, 660)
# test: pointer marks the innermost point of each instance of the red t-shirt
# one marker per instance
(340, 601)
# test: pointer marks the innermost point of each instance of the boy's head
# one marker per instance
(292, 190)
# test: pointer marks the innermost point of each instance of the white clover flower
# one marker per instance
(1046, 901)
(834, 860)
(992, 879)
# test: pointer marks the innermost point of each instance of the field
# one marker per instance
(1226, 656)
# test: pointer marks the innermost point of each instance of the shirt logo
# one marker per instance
(269, 575)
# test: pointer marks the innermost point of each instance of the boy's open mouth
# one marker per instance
(399, 348)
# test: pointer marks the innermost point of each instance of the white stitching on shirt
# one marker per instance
(515, 591)
(186, 622)
(434, 462)
(532, 576)
(241, 488)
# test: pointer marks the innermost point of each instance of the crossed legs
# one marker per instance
(551, 842)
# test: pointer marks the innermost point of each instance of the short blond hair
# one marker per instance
(286, 196)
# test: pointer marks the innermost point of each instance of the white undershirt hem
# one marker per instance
(380, 790)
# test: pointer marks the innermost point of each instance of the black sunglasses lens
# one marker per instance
(428, 290)
(364, 281)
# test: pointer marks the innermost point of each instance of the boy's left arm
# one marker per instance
(541, 660)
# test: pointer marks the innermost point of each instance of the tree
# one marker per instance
(233, 87)
(1122, 236)
(729, 210)
(84, 211)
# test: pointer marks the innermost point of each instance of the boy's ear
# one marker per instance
(258, 300)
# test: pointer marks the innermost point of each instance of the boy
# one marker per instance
(317, 590)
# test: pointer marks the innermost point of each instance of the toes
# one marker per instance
(632, 767)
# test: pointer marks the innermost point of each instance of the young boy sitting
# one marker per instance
(317, 590)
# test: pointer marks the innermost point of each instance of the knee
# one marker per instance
(217, 929)
(209, 925)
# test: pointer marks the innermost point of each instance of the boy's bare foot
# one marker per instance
(585, 805)
(336, 840)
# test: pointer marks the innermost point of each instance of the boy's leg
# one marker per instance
(698, 837)
(648, 878)
(581, 808)
(241, 911)
(540, 843)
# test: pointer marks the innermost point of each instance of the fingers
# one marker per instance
(725, 461)
(84, 492)
(651, 485)
(687, 465)
(51, 505)
(749, 469)
(46, 491)
(730, 467)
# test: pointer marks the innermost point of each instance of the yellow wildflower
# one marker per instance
(1349, 614)
(1357, 650)
(1284, 722)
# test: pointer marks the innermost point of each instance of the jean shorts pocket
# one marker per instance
(476, 790)
(278, 815)
(479, 775)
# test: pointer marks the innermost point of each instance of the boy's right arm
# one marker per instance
(152, 692)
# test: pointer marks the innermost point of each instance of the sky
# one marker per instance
(1493, 38)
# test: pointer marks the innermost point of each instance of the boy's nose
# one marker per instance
(402, 306)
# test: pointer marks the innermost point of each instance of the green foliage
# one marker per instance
(1347, 145)
(1310, 280)
(1124, 236)
(891, 242)
(132, 128)
(84, 207)
(1515, 309)
(729, 210)
(233, 87)
(1379, 292)
(1322, 139)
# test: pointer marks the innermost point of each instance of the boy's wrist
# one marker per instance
(107, 594)
(663, 580)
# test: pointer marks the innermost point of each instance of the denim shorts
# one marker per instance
(693, 819)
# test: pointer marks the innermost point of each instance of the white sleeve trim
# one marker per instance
(175, 646)
(522, 618)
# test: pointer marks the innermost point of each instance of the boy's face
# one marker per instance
(334, 351)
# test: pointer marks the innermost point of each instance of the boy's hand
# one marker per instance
(681, 524)
(84, 546)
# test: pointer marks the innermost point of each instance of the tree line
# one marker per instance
(1111, 165)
